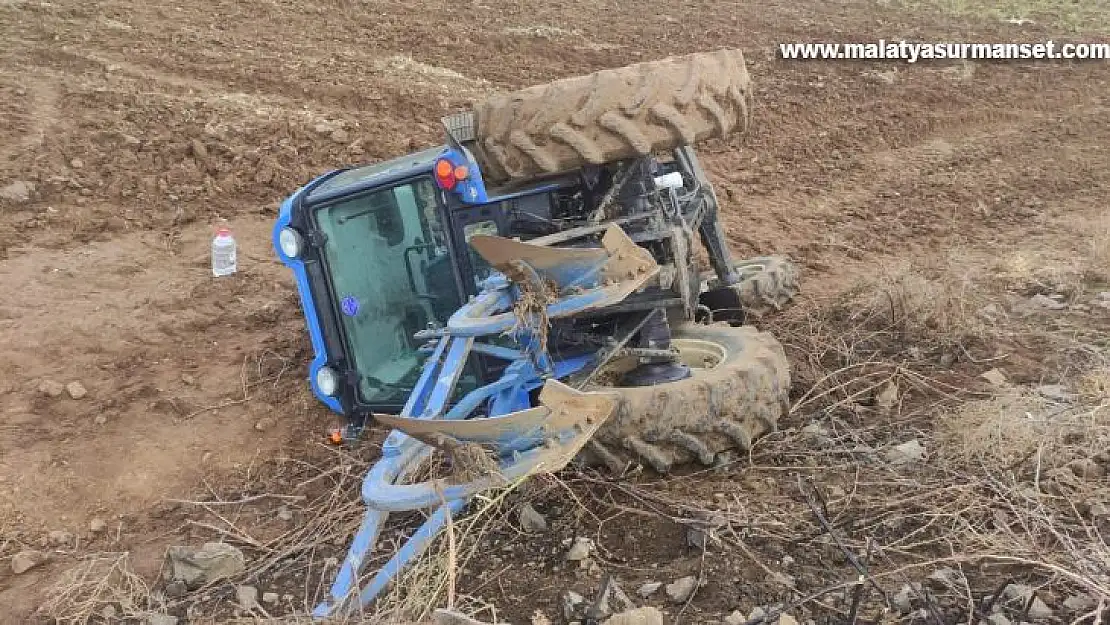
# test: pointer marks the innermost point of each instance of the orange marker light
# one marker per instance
(462, 172)
(336, 437)
(445, 174)
(443, 168)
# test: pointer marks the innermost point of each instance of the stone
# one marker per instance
(1039, 611)
(76, 163)
(284, 514)
(26, 560)
(573, 604)
(531, 520)
(580, 550)
(76, 390)
(199, 151)
(247, 596)
(188, 379)
(786, 619)
(1079, 603)
(162, 619)
(757, 613)
(680, 590)
(97, 526)
(887, 398)
(638, 616)
(905, 453)
(100, 419)
(903, 599)
(108, 613)
(998, 618)
(782, 579)
(1047, 303)
(995, 376)
(340, 136)
(264, 424)
(1019, 592)
(59, 538)
(199, 566)
(736, 618)
(51, 388)
(17, 192)
(270, 598)
(649, 589)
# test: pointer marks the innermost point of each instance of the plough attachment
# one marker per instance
(497, 419)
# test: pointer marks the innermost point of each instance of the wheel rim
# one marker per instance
(697, 354)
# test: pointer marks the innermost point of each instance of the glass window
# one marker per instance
(391, 274)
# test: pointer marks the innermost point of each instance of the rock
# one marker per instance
(757, 613)
(1056, 392)
(998, 618)
(995, 376)
(264, 424)
(162, 619)
(108, 613)
(51, 388)
(903, 599)
(270, 598)
(887, 398)
(736, 618)
(573, 605)
(1019, 592)
(199, 151)
(17, 192)
(816, 433)
(97, 526)
(284, 514)
(786, 619)
(100, 419)
(76, 390)
(212, 561)
(906, 453)
(76, 163)
(247, 596)
(649, 589)
(1078, 603)
(443, 616)
(176, 589)
(59, 538)
(26, 560)
(787, 561)
(340, 136)
(681, 589)
(531, 520)
(1038, 611)
(188, 379)
(639, 616)
(782, 579)
(1047, 303)
(580, 550)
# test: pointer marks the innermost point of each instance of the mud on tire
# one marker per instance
(726, 405)
(767, 284)
(612, 115)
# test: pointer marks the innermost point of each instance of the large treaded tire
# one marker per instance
(725, 406)
(612, 115)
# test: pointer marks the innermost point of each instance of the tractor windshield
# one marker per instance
(391, 275)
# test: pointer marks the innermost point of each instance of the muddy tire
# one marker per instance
(767, 285)
(612, 115)
(738, 395)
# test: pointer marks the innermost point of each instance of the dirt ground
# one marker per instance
(959, 192)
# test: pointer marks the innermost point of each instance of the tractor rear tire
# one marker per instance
(612, 115)
(738, 390)
(767, 284)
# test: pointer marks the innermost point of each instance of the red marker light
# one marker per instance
(445, 174)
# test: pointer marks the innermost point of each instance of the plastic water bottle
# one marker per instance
(223, 253)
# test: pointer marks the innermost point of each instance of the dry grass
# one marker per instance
(1072, 16)
(1098, 255)
(99, 582)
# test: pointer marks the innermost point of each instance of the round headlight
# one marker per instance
(290, 241)
(327, 380)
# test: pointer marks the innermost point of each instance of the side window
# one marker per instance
(479, 264)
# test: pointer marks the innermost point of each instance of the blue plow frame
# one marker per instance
(526, 439)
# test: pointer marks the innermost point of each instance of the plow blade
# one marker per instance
(561, 425)
(620, 266)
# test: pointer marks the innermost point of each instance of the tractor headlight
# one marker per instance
(291, 242)
(327, 380)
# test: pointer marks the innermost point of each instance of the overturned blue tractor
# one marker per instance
(530, 290)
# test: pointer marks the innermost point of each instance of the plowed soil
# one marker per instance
(141, 124)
